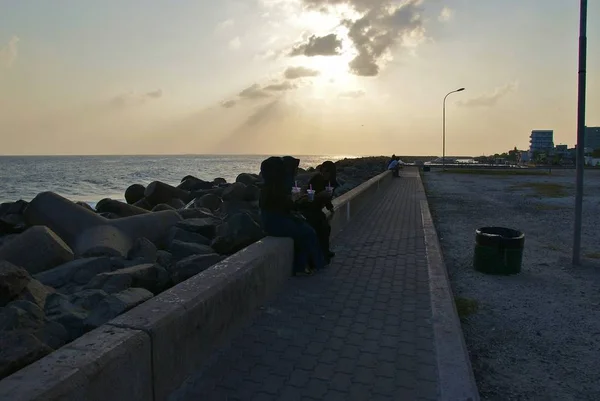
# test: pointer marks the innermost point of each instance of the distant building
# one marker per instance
(541, 141)
(522, 156)
(592, 137)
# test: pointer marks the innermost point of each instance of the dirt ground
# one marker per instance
(535, 335)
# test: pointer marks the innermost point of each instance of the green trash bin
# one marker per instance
(498, 250)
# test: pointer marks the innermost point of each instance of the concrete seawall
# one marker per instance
(147, 352)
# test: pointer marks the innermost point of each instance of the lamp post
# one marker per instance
(444, 129)
(580, 132)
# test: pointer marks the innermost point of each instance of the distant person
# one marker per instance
(392, 159)
(313, 212)
(394, 166)
(279, 213)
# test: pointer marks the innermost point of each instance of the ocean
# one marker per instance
(91, 178)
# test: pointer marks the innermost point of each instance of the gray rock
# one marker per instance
(115, 304)
(80, 271)
(232, 207)
(236, 191)
(181, 250)
(196, 213)
(246, 179)
(36, 250)
(193, 265)
(143, 250)
(24, 315)
(110, 284)
(150, 276)
(13, 281)
(205, 227)
(209, 201)
(85, 206)
(176, 203)
(219, 181)
(134, 193)
(179, 234)
(164, 259)
(36, 293)
(61, 310)
(161, 207)
(19, 349)
(87, 299)
(238, 232)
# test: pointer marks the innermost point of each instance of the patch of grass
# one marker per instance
(496, 172)
(466, 306)
(543, 189)
(593, 255)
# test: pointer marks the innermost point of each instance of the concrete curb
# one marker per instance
(455, 374)
(146, 353)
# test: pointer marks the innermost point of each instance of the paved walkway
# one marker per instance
(361, 330)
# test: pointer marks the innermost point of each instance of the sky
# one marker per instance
(355, 77)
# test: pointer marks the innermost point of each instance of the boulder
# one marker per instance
(143, 250)
(110, 284)
(203, 226)
(238, 232)
(232, 207)
(181, 250)
(246, 179)
(158, 192)
(80, 271)
(134, 193)
(144, 204)
(191, 183)
(164, 259)
(115, 304)
(36, 250)
(193, 265)
(149, 276)
(19, 349)
(61, 310)
(162, 206)
(176, 203)
(219, 181)
(120, 209)
(234, 192)
(85, 205)
(35, 292)
(26, 316)
(179, 234)
(199, 213)
(209, 201)
(87, 299)
(13, 281)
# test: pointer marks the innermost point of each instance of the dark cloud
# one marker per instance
(299, 72)
(382, 26)
(353, 94)
(329, 45)
(490, 99)
(253, 92)
(279, 87)
(228, 103)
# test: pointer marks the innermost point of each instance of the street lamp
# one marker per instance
(444, 129)
(580, 132)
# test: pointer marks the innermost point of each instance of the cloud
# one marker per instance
(132, 98)
(253, 92)
(299, 72)
(490, 99)
(228, 103)
(225, 24)
(353, 94)
(10, 52)
(329, 45)
(235, 43)
(446, 15)
(286, 85)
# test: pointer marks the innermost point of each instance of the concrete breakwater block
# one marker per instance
(158, 192)
(37, 249)
(91, 235)
(121, 209)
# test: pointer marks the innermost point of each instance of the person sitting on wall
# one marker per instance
(279, 213)
(394, 166)
(320, 182)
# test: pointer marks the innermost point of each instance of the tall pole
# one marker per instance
(580, 132)
(444, 128)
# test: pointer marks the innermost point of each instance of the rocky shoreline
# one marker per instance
(66, 268)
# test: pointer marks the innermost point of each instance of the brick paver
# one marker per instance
(360, 330)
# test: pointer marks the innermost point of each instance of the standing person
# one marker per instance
(279, 213)
(325, 177)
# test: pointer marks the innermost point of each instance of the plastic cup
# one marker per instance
(329, 190)
(296, 192)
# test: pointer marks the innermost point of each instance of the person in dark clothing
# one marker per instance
(325, 177)
(279, 213)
